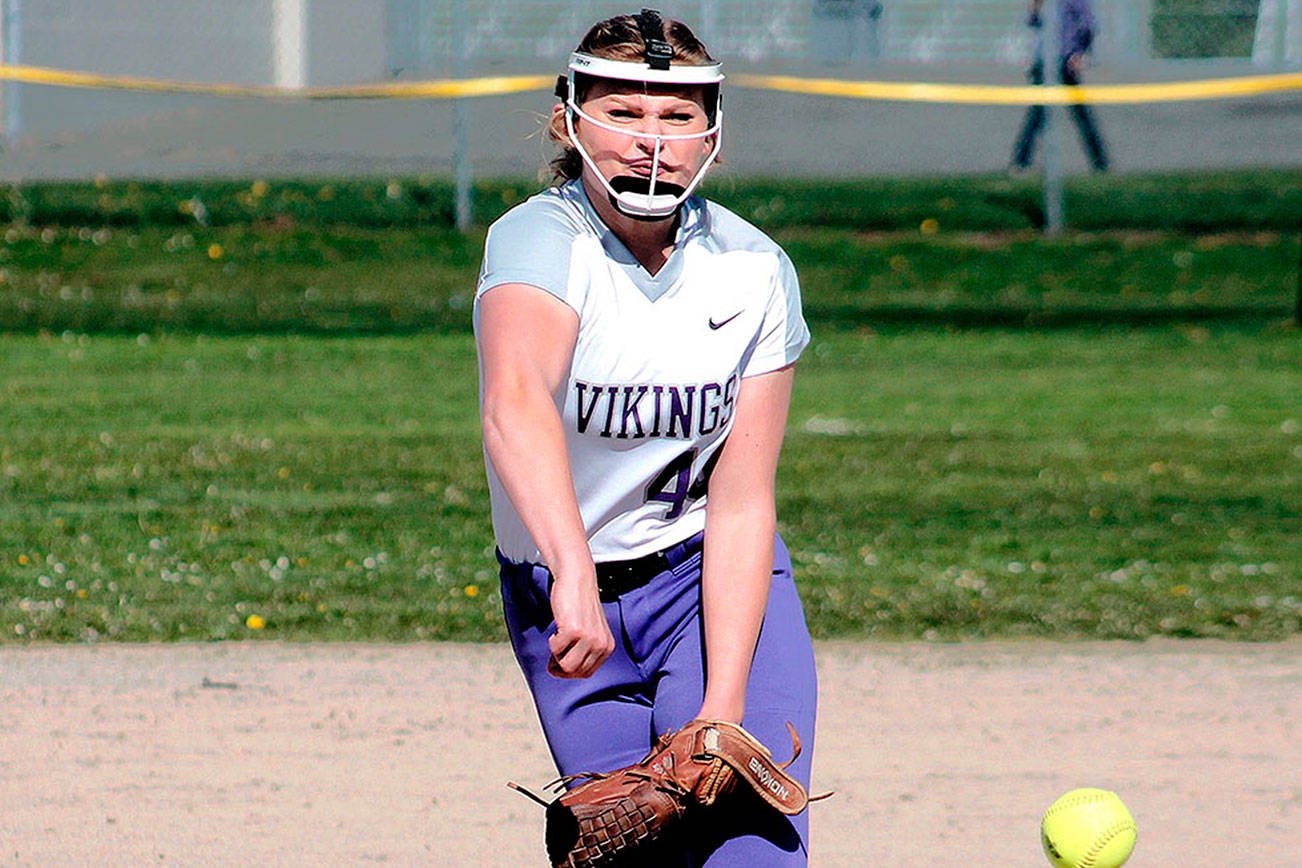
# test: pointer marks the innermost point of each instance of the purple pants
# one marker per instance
(655, 681)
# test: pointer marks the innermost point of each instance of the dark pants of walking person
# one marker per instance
(1081, 114)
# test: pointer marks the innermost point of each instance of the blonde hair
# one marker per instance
(618, 38)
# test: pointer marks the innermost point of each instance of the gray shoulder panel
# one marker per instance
(531, 244)
(797, 331)
(727, 231)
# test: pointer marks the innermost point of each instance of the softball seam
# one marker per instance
(1105, 837)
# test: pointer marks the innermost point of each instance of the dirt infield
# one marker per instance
(345, 754)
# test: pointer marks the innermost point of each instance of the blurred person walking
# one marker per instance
(1075, 37)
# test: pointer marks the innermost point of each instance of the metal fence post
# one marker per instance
(13, 54)
(1054, 212)
(462, 171)
(1281, 34)
(1293, 35)
(464, 177)
(1133, 35)
(708, 22)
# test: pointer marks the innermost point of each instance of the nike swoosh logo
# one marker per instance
(719, 325)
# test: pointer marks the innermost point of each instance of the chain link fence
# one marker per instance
(75, 133)
(433, 35)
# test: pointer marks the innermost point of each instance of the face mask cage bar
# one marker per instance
(648, 205)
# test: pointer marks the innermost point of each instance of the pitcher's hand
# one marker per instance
(582, 640)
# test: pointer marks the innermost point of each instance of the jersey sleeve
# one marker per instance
(783, 334)
(532, 244)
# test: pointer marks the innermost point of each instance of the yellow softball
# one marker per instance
(1088, 828)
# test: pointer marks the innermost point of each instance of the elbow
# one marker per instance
(495, 422)
(507, 412)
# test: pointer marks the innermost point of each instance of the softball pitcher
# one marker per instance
(636, 346)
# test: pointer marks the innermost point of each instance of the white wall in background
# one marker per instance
(289, 42)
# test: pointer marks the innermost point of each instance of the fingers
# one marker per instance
(574, 665)
(579, 659)
(578, 654)
(582, 641)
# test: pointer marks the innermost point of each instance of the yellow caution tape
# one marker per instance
(913, 91)
(460, 87)
(68, 78)
(906, 91)
(392, 90)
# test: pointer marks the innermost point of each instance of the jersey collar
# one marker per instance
(692, 222)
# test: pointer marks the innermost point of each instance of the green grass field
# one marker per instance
(350, 258)
(266, 426)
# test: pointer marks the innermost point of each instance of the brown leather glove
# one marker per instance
(615, 814)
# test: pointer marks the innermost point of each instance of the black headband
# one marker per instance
(658, 50)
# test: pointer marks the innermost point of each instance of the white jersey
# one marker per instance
(657, 364)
